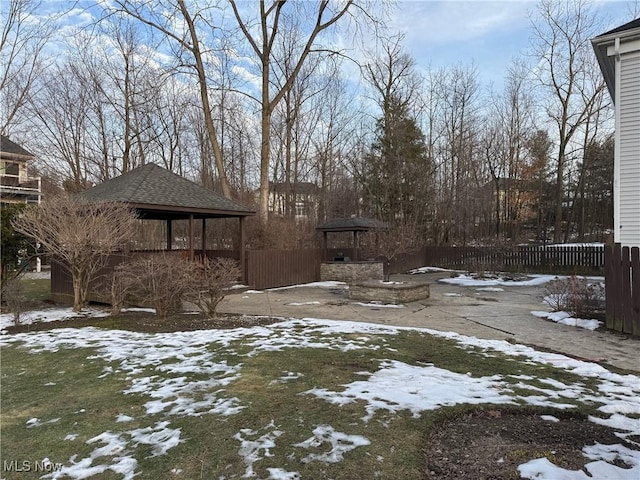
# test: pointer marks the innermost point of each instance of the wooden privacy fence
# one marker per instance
(570, 259)
(99, 290)
(279, 268)
(622, 288)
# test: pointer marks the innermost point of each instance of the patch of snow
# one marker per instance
(565, 318)
(490, 289)
(159, 437)
(281, 474)
(250, 449)
(550, 418)
(399, 386)
(327, 284)
(123, 418)
(340, 442)
(299, 304)
(428, 270)
(49, 315)
(469, 281)
(71, 436)
(451, 295)
(115, 447)
(601, 468)
(378, 305)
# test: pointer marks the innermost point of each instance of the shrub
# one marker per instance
(577, 296)
(14, 296)
(214, 278)
(160, 280)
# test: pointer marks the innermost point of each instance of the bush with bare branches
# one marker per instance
(14, 296)
(162, 281)
(576, 295)
(78, 233)
(214, 279)
(390, 243)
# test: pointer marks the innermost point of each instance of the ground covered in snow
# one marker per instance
(285, 399)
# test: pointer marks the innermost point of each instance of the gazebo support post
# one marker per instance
(169, 234)
(241, 248)
(191, 237)
(204, 238)
(356, 246)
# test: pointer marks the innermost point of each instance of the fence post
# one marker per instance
(609, 286)
(635, 290)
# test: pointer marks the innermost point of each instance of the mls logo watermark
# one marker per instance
(45, 466)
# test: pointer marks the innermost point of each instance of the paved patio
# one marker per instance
(504, 315)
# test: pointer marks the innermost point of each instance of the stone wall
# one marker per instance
(351, 272)
(389, 292)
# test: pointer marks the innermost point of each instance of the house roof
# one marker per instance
(157, 193)
(352, 224)
(601, 44)
(8, 146)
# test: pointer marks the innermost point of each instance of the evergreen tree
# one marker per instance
(397, 175)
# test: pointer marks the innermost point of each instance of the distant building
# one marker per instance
(16, 186)
(298, 199)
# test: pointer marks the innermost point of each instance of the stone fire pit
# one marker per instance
(389, 292)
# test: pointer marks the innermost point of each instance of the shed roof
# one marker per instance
(158, 192)
(352, 224)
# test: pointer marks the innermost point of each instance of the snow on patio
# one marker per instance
(184, 374)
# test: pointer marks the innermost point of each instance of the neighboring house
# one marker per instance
(298, 199)
(15, 184)
(618, 52)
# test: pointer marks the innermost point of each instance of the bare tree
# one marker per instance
(269, 27)
(457, 120)
(24, 36)
(214, 278)
(563, 30)
(163, 17)
(390, 243)
(78, 233)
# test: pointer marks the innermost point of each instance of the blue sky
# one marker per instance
(487, 33)
(439, 33)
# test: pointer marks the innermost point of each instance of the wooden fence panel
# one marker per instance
(408, 261)
(635, 290)
(622, 289)
(523, 258)
(610, 288)
(278, 268)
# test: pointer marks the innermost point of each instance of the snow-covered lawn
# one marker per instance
(184, 375)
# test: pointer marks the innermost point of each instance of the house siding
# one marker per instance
(629, 149)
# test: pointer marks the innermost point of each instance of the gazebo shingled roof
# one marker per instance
(158, 194)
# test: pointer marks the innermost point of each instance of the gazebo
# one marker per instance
(156, 193)
(355, 225)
